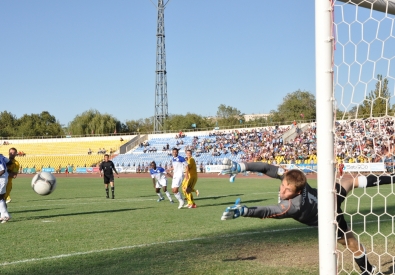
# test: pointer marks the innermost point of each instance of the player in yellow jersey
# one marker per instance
(188, 185)
(13, 170)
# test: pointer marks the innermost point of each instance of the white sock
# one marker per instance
(168, 195)
(160, 195)
(3, 209)
(178, 196)
(362, 182)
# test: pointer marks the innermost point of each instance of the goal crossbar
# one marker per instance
(378, 5)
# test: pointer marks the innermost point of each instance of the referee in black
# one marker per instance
(106, 168)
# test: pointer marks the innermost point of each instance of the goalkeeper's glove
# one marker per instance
(234, 211)
(232, 168)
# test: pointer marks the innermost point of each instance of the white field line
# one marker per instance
(80, 203)
(146, 245)
(94, 200)
(158, 243)
(72, 202)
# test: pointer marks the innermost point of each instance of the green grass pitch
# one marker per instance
(76, 230)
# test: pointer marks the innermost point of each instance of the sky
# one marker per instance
(67, 57)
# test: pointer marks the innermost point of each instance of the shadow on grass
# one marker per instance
(82, 213)
(240, 259)
(390, 269)
(217, 197)
(231, 203)
(47, 198)
(35, 210)
(201, 198)
(148, 196)
(248, 252)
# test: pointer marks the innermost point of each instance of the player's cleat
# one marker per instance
(192, 206)
(8, 201)
(232, 168)
(113, 197)
(181, 204)
(197, 193)
(107, 197)
(5, 219)
(171, 201)
(373, 272)
(233, 212)
(187, 205)
(160, 199)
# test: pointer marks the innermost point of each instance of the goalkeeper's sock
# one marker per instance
(112, 191)
(363, 262)
(372, 180)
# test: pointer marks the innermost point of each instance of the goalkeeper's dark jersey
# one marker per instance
(303, 207)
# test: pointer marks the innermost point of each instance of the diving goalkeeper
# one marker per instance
(298, 200)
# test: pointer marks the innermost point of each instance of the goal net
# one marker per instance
(362, 100)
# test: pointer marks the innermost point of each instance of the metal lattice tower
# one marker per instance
(161, 105)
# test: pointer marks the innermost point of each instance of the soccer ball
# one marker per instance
(44, 183)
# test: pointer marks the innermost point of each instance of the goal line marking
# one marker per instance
(157, 243)
(146, 245)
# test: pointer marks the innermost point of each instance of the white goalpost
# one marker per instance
(355, 83)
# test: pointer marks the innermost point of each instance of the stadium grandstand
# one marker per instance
(270, 144)
(288, 145)
(210, 148)
(59, 154)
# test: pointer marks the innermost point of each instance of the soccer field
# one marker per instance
(76, 230)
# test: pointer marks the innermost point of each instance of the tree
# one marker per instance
(145, 125)
(228, 116)
(93, 122)
(43, 124)
(377, 102)
(340, 115)
(182, 122)
(258, 121)
(299, 105)
(123, 128)
(8, 124)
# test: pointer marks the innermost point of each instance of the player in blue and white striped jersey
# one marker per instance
(158, 175)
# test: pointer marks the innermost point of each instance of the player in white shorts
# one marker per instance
(4, 215)
(177, 182)
(178, 168)
(159, 180)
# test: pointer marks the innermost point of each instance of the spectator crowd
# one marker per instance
(356, 141)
